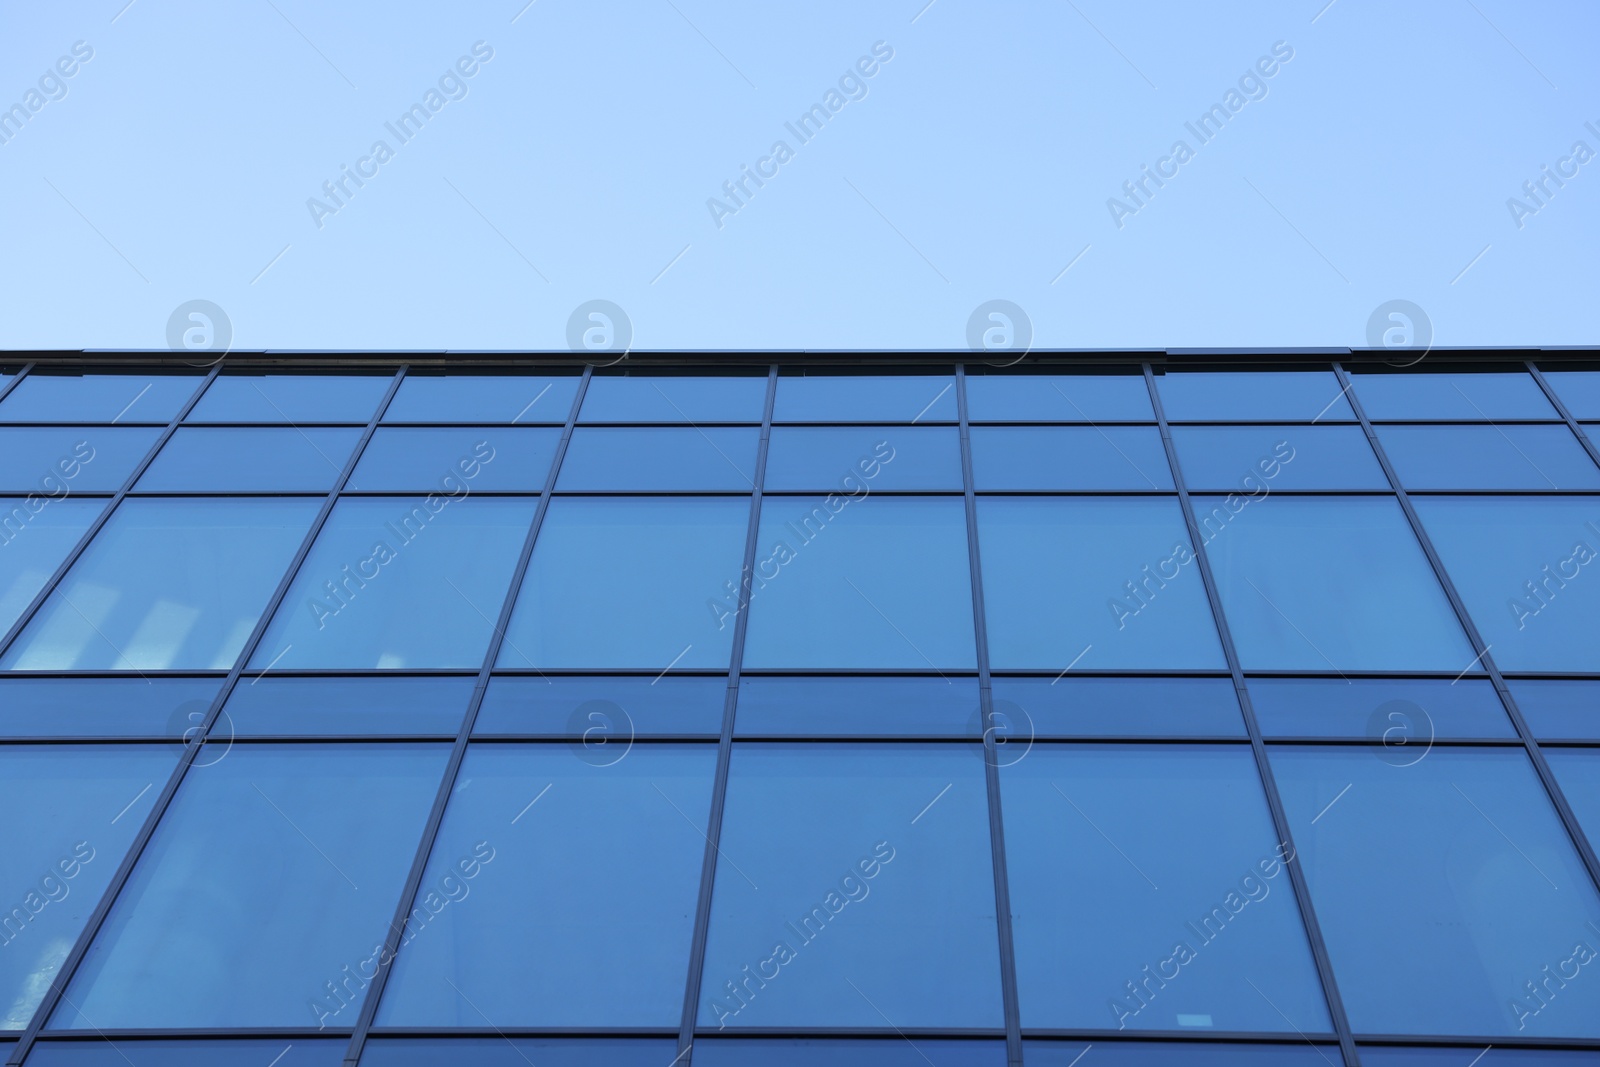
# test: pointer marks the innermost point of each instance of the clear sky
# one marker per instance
(577, 160)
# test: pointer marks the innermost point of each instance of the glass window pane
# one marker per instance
(483, 459)
(1072, 706)
(1058, 398)
(1488, 457)
(642, 583)
(519, 1051)
(189, 1052)
(1522, 572)
(866, 398)
(74, 810)
(1579, 391)
(276, 706)
(882, 848)
(849, 1052)
(1174, 914)
(772, 706)
(525, 398)
(54, 461)
(1401, 716)
(1578, 772)
(1436, 395)
(104, 707)
(1447, 891)
(34, 540)
(297, 398)
(673, 398)
(166, 585)
(1253, 459)
(1320, 583)
(1097, 582)
(881, 458)
(631, 459)
(98, 397)
(1416, 1056)
(1191, 1054)
(237, 460)
(1218, 396)
(400, 582)
(884, 585)
(263, 891)
(1559, 709)
(614, 850)
(603, 715)
(1068, 457)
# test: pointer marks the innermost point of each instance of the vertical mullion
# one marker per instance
(1561, 407)
(991, 762)
(458, 752)
(719, 788)
(97, 918)
(1280, 818)
(1542, 767)
(105, 513)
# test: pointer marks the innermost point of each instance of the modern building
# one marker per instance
(1108, 709)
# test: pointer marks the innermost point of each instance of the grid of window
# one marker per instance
(927, 715)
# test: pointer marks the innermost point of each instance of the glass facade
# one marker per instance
(706, 710)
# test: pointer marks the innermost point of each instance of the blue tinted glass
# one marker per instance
(899, 1051)
(298, 398)
(1068, 457)
(1578, 771)
(1326, 583)
(616, 458)
(1191, 396)
(866, 398)
(267, 706)
(836, 866)
(518, 1051)
(399, 582)
(529, 398)
(74, 811)
(1058, 398)
(1499, 1056)
(1193, 1054)
(603, 711)
(1093, 582)
(166, 585)
(1447, 891)
(614, 850)
(270, 879)
(234, 460)
(97, 398)
(1559, 709)
(190, 1052)
(444, 460)
(1072, 706)
(631, 583)
(1579, 391)
(1488, 457)
(104, 707)
(662, 398)
(839, 583)
(881, 458)
(856, 707)
(53, 461)
(1433, 395)
(35, 537)
(1175, 914)
(1245, 459)
(1523, 572)
(1400, 716)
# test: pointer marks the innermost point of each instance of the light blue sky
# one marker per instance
(978, 166)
